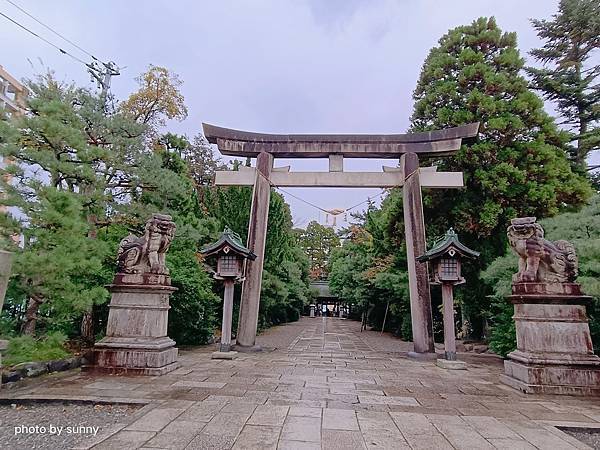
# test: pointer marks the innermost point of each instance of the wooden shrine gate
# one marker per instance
(407, 147)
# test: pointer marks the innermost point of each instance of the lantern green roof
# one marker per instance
(444, 244)
(231, 239)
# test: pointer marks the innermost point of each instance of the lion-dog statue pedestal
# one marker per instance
(136, 339)
(554, 348)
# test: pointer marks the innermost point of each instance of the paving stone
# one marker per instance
(301, 403)
(226, 424)
(385, 400)
(227, 399)
(199, 384)
(376, 421)
(567, 437)
(125, 440)
(113, 385)
(340, 419)
(419, 431)
(459, 433)
(536, 435)
(384, 439)
(304, 411)
(202, 411)
(257, 437)
(307, 429)
(511, 444)
(269, 415)
(298, 445)
(342, 440)
(178, 440)
(363, 406)
(183, 426)
(203, 441)
(155, 420)
(490, 428)
(239, 408)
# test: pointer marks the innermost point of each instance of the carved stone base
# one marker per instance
(451, 364)
(250, 349)
(423, 356)
(136, 339)
(553, 379)
(130, 362)
(224, 355)
(554, 347)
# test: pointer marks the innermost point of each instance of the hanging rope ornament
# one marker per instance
(334, 213)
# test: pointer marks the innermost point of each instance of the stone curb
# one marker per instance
(35, 369)
(76, 400)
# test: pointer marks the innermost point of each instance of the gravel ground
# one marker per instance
(47, 415)
(589, 436)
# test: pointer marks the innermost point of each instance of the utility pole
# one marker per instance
(102, 74)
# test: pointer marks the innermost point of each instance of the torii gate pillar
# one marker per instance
(414, 228)
(257, 236)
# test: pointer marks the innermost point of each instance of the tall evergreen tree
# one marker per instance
(516, 167)
(569, 76)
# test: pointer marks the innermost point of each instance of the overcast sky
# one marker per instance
(281, 66)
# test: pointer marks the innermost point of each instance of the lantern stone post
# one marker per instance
(230, 255)
(445, 259)
(225, 345)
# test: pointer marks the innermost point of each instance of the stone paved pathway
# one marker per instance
(326, 385)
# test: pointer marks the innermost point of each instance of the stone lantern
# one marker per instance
(230, 255)
(445, 268)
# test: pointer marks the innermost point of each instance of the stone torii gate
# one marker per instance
(407, 147)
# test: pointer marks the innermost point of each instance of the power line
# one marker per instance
(64, 52)
(345, 210)
(101, 72)
(327, 211)
(52, 30)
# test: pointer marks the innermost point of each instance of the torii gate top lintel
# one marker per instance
(429, 143)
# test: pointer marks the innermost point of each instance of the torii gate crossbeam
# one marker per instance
(407, 147)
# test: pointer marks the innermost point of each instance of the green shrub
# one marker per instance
(27, 349)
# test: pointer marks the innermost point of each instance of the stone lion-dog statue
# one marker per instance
(540, 260)
(146, 254)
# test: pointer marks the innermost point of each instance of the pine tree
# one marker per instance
(570, 71)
